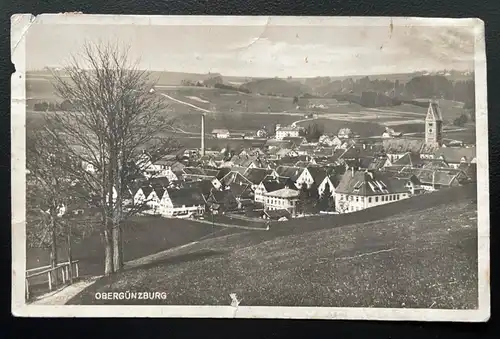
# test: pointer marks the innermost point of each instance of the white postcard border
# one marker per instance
(20, 23)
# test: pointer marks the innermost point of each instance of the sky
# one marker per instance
(264, 51)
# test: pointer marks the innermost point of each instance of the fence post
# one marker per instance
(27, 289)
(50, 280)
(63, 274)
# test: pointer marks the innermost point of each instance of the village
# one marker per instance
(291, 178)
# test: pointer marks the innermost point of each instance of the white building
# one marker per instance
(298, 175)
(181, 203)
(289, 131)
(221, 133)
(333, 141)
(345, 133)
(282, 199)
(359, 190)
(269, 184)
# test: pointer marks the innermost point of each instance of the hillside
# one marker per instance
(276, 86)
(425, 257)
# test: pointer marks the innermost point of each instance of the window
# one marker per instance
(376, 199)
(370, 199)
(357, 199)
(397, 197)
(430, 124)
(430, 130)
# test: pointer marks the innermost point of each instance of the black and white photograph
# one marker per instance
(250, 167)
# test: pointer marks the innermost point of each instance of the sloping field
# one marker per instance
(425, 257)
(143, 235)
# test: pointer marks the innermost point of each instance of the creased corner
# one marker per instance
(19, 25)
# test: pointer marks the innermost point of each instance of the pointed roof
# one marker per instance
(433, 112)
(186, 196)
(256, 175)
(409, 159)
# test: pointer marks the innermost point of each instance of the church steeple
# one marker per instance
(433, 125)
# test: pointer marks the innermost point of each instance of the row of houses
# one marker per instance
(359, 176)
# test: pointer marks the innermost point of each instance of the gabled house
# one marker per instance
(306, 149)
(358, 190)
(279, 153)
(455, 156)
(204, 186)
(436, 179)
(222, 201)
(397, 148)
(211, 161)
(298, 175)
(256, 175)
(141, 195)
(282, 199)
(235, 177)
(182, 202)
(409, 159)
(327, 140)
(288, 131)
(432, 164)
(270, 184)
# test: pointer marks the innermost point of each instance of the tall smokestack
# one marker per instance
(202, 134)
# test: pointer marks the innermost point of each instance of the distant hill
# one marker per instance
(277, 87)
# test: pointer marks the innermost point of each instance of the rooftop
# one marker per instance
(284, 193)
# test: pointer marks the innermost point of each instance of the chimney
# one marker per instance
(202, 134)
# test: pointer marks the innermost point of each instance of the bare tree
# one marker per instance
(46, 193)
(116, 119)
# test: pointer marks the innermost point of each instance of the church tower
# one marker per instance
(434, 125)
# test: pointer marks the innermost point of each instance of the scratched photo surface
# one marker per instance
(253, 164)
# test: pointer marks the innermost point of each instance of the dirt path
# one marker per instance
(185, 103)
(62, 296)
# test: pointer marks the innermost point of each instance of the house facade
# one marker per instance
(289, 131)
(182, 203)
(282, 199)
(221, 133)
(359, 190)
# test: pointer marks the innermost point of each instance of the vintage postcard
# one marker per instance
(250, 167)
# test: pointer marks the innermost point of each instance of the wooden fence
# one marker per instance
(64, 272)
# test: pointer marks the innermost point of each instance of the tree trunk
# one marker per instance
(53, 252)
(70, 254)
(108, 253)
(117, 248)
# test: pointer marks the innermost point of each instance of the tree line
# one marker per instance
(45, 106)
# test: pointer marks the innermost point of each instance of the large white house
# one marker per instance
(358, 190)
(282, 199)
(288, 131)
(182, 202)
